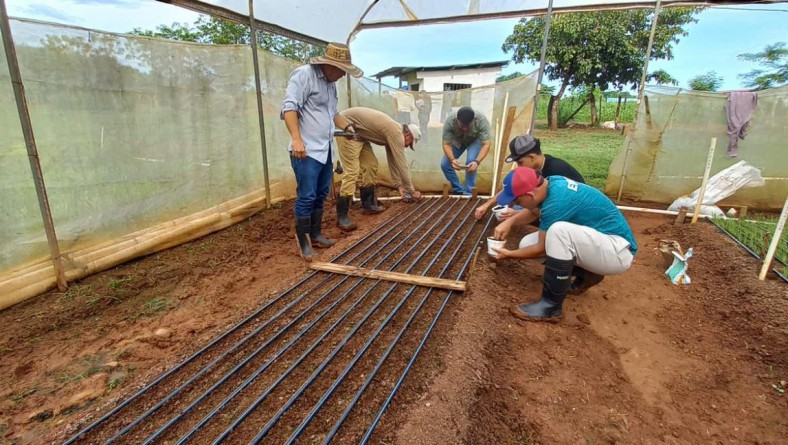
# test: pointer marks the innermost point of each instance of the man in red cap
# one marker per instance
(579, 228)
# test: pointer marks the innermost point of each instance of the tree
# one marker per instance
(505, 77)
(222, 32)
(775, 59)
(601, 49)
(662, 77)
(706, 82)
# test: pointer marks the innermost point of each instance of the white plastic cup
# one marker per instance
(496, 243)
(498, 211)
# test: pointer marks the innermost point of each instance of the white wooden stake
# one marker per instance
(702, 192)
(497, 147)
(775, 241)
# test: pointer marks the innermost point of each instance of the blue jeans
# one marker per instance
(313, 181)
(451, 175)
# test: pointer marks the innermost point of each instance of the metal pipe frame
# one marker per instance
(32, 150)
(80, 434)
(641, 91)
(259, 97)
(542, 62)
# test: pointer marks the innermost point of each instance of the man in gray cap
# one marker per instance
(526, 151)
(464, 131)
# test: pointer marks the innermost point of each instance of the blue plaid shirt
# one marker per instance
(314, 98)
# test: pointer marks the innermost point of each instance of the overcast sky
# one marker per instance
(713, 43)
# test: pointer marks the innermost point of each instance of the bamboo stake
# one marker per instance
(30, 143)
(499, 145)
(778, 232)
(702, 192)
(507, 132)
(419, 280)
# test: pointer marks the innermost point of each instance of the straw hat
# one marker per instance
(338, 55)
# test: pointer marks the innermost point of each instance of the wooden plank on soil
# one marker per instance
(440, 283)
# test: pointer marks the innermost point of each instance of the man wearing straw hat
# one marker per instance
(310, 113)
(580, 227)
(361, 165)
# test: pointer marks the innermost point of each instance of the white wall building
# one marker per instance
(445, 78)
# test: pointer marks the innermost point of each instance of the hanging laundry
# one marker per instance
(739, 108)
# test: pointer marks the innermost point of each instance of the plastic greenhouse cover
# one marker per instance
(309, 16)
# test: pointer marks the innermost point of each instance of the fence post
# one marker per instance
(30, 143)
(778, 231)
(702, 191)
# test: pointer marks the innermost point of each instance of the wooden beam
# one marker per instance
(418, 280)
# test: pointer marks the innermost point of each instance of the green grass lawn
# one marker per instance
(590, 151)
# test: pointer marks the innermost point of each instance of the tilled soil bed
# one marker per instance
(635, 360)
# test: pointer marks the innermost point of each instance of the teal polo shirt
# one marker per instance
(581, 204)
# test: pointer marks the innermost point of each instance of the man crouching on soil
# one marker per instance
(581, 230)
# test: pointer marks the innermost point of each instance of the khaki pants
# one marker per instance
(359, 163)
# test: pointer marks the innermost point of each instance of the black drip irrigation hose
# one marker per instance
(269, 362)
(300, 429)
(79, 435)
(243, 341)
(298, 361)
(744, 246)
(262, 433)
(397, 385)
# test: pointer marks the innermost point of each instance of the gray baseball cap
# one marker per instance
(520, 146)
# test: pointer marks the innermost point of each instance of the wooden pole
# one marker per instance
(778, 232)
(507, 131)
(542, 62)
(398, 277)
(702, 192)
(32, 150)
(499, 146)
(641, 89)
(618, 110)
(259, 94)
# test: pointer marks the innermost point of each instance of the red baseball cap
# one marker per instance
(517, 183)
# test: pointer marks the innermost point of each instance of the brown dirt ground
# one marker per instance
(635, 360)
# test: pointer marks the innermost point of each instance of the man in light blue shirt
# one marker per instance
(310, 113)
(579, 228)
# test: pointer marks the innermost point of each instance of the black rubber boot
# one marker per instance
(303, 225)
(318, 240)
(584, 280)
(555, 283)
(343, 207)
(368, 202)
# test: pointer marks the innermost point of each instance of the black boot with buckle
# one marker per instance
(318, 240)
(303, 225)
(368, 202)
(555, 283)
